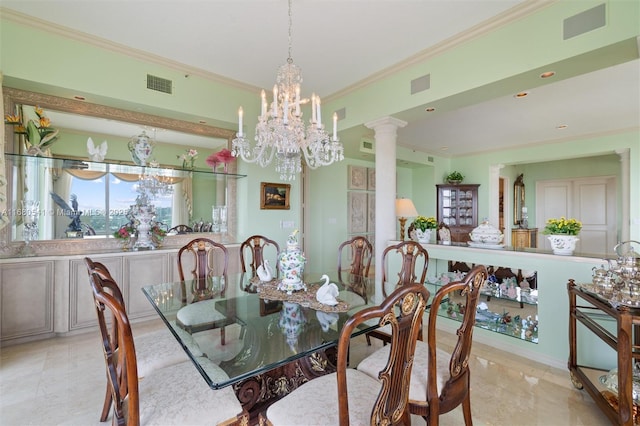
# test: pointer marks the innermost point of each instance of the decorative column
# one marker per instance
(385, 135)
(624, 188)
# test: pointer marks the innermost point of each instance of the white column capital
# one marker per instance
(380, 123)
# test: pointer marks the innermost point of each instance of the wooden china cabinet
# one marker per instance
(458, 209)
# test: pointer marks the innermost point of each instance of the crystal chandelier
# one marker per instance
(281, 131)
(152, 184)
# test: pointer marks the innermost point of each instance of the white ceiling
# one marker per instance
(339, 43)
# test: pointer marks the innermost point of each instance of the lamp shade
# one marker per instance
(405, 208)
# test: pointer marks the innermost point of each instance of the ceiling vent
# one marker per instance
(368, 146)
(584, 22)
(159, 84)
(420, 84)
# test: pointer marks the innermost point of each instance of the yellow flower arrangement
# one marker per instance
(423, 223)
(39, 135)
(562, 226)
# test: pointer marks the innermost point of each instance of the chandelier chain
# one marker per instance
(281, 132)
(290, 59)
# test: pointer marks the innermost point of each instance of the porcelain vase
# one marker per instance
(291, 263)
(563, 245)
(144, 217)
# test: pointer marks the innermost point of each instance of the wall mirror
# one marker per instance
(518, 200)
(105, 189)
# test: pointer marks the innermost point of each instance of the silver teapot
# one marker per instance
(627, 266)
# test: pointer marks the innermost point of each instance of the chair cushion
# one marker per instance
(316, 402)
(160, 349)
(375, 362)
(178, 395)
(200, 313)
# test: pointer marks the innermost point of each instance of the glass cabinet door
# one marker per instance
(458, 209)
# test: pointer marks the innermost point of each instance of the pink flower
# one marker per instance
(225, 156)
(212, 160)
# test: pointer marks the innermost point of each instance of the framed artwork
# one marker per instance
(357, 212)
(274, 196)
(371, 213)
(371, 179)
(357, 177)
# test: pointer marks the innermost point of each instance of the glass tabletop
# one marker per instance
(260, 334)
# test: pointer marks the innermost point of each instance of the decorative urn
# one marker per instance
(291, 264)
(486, 234)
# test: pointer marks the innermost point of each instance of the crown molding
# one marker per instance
(101, 43)
(508, 17)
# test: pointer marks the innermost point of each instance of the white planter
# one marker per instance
(421, 236)
(563, 244)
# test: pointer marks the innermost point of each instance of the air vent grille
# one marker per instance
(420, 84)
(368, 146)
(159, 84)
(584, 22)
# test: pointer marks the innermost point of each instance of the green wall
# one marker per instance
(110, 77)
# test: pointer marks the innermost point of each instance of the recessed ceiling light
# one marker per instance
(561, 126)
(444, 148)
(429, 109)
(521, 95)
(547, 74)
(79, 98)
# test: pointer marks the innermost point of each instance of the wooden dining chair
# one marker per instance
(155, 350)
(358, 251)
(414, 261)
(252, 254)
(206, 262)
(440, 381)
(359, 398)
(176, 394)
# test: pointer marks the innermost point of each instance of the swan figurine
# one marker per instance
(96, 153)
(264, 271)
(327, 293)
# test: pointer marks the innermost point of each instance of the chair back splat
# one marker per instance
(413, 267)
(408, 303)
(360, 251)
(207, 259)
(414, 260)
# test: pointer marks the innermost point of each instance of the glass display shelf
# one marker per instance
(17, 160)
(503, 308)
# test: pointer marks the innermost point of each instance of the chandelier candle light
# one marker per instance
(281, 131)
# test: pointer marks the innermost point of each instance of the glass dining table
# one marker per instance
(272, 341)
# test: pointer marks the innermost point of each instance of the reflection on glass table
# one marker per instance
(272, 333)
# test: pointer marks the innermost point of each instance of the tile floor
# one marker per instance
(61, 382)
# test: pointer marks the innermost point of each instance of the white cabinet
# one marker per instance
(82, 312)
(45, 296)
(139, 271)
(26, 299)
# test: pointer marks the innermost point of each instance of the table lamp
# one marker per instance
(404, 209)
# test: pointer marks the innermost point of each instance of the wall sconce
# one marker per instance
(404, 209)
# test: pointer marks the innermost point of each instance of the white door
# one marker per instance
(590, 200)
